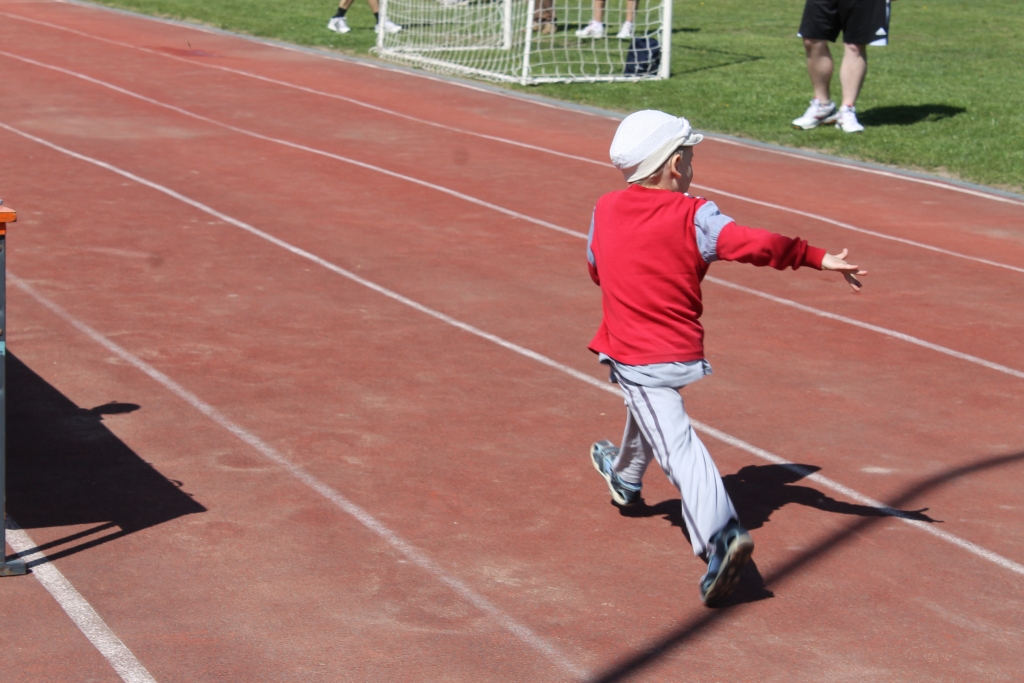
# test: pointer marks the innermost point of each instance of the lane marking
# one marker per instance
(312, 91)
(873, 328)
(560, 106)
(473, 200)
(87, 619)
(479, 202)
(293, 145)
(863, 231)
(523, 145)
(403, 547)
(875, 171)
(972, 548)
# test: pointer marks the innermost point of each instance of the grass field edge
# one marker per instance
(544, 100)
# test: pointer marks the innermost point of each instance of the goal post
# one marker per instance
(531, 41)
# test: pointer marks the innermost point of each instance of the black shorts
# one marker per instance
(863, 22)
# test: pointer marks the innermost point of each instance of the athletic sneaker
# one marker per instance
(388, 27)
(816, 115)
(730, 551)
(338, 25)
(595, 29)
(626, 32)
(847, 121)
(623, 492)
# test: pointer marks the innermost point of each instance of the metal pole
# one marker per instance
(506, 26)
(665, 68)
(531, 7)
(382, 16)
(7, 567)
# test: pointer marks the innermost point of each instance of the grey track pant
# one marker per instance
(658, 427)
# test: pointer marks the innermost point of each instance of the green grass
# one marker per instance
(947, 96)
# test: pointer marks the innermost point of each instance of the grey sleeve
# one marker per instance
(709, 222)
(590, 239)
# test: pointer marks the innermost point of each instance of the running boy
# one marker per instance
(649, 247)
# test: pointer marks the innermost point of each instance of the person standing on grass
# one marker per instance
(339, 25)
(649, 247)
(863, 23)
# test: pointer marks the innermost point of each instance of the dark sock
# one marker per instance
(340, 12)
(376, 17)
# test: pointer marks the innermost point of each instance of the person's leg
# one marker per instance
(852, 72)
(626, 30)
(337, 22)
(819, 26)
(389, 26)
(635, 453)
(595, 29)
(661, 418)
(819, 68)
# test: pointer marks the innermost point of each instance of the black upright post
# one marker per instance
(7, 567)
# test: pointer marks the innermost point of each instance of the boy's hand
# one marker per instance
(838, 263)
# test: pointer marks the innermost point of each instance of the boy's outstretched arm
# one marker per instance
(838, 264)
(764, 248)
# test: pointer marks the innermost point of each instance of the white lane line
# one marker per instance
(863, 231)
(347, 59)
(497, 93)
(504, 343)
(516, 143)
(403, 547)
(972, 548)
(473, 200)
(873, 328)
(127, 666)
(874, 171)
(312, 91)
(294, 145)
(564, 230)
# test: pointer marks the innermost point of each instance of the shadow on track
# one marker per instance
(758, 491)
(795, 565)
(65, 468)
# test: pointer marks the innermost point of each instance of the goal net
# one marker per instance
(531, 41)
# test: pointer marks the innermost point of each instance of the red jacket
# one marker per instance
(649, 250)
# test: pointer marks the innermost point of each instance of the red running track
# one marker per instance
(317, 481)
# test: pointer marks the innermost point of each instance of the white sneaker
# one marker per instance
(388, 27)
(626, 32)
(595, 29)
(816, 115)
(848, 122)
(338, 25)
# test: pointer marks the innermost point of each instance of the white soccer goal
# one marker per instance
(530, 41)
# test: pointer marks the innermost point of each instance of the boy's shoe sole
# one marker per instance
(597, 458)
(736, 558)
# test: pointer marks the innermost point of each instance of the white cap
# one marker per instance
(646, 139)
